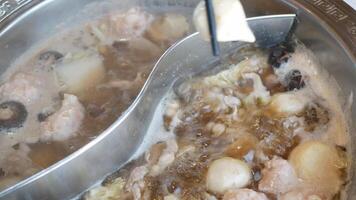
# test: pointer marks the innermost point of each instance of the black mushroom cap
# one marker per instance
(50, 55)
(41, 117)
(280, 53)
(12, 115)
(294, 80)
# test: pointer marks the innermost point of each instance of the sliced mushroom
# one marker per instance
(281, 53)
(12, 115)
(294, 80)
(277, 56)
(50, 55)
(43, 116)
(80, 74)
(315, 116)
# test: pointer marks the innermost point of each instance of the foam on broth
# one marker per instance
(296, 146)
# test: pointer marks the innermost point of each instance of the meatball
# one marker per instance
(65, 122)
(50, 55)
(320, 164)
(227, 173)
(22, 87)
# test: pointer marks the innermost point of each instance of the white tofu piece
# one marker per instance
(81, 74)
(230, 21)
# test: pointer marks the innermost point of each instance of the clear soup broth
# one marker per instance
(65, 91)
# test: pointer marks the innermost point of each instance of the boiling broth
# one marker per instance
(265, 128)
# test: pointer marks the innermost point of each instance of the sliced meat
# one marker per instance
(22, 87)
(65, 123)
(303, 194)
(125, 84)
(114, 190)
(168, 29)
(152, 156)
(136, 183)
(260, 95)
(167, 157)
(244, 194)
(133, 23)
(15, 162)
(121, 26)
(278, 177)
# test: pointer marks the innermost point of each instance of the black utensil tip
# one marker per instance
(212, 27)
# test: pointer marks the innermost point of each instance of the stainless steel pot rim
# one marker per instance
(17, 14)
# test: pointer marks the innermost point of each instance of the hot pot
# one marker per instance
(325, 26)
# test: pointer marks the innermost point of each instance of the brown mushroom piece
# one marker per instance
(280, 54)
(294, 80)
(12, 115)
(50, 55)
